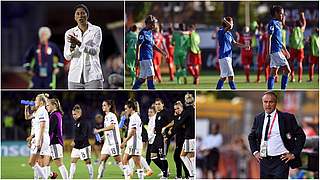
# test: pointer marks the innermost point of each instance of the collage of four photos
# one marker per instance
(159, 89)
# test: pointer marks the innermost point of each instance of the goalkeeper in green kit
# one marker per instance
(131, 41)
(181, 45)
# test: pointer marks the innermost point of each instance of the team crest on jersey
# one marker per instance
(271, 28)
(179, 117)
(49, 50)
(78, 125)
(159, 118)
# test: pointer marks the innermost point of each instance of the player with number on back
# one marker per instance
(131, 41)
(111, 146)
(82, 148)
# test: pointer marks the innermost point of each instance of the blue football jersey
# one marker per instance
(274, 30)
(146, 40)
(225, 43)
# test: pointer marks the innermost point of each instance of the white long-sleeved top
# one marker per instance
(86, 57)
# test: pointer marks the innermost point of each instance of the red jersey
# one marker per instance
(246, 39)
(158, 40)
(263, 44)
(168, 38)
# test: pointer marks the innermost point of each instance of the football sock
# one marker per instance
(220, 84)
(63, 172)
(126, 171)
(101, 168)
(258, 74)
(300, 71)
(150, 84)
(186, 161)
(72, 170)
(284, 82)
(247, 72)
(137, 84)
(232, 85)
(165, 168)
(90, 170)
(270, 82)
(144, 163)
(39, 171)
(140, 173)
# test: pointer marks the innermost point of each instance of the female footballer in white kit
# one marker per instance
(133, 141)
(111, 146)
(29, 112)
(40, 150)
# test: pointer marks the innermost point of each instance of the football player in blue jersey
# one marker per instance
(144, 54)
(277, 51)
(226, 41)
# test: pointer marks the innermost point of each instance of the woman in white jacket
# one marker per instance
(82, 47)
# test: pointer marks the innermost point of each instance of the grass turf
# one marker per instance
(18, 168)
(208, 81)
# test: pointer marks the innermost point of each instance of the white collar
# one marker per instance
(271, 114)
(90, 27)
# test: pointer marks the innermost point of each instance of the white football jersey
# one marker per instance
(135, 122)
(41, 115)
(113, 136)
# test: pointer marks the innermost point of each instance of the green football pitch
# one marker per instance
(208, 81)
(18, 168)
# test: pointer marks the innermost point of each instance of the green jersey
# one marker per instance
(296, 38)
(284, 35)
(131, 40)
(315, 44)
(194, 43)
(179, 41)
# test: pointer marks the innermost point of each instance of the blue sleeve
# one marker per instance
(271, 28)
(122, 121)
(141, 37)
(231, 37)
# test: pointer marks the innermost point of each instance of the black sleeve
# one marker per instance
(28, 58)
(53, 123)
(252, 137)
(181, 122)
(298, 135)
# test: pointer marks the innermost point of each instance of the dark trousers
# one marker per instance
(41, 82)
(179, 163)
(272, 167)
